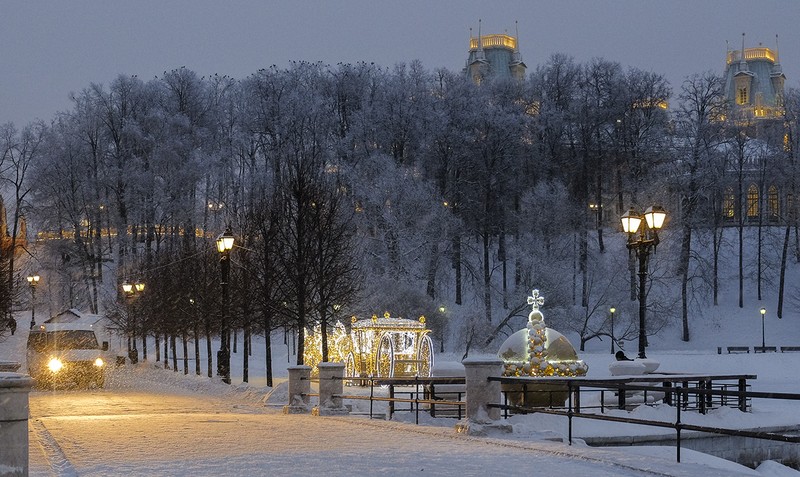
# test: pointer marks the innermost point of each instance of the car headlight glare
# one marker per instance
(99, 362)
(55, 365)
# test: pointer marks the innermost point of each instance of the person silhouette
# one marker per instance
(12, 325)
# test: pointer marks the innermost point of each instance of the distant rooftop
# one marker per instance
(494, 41)
(758, 53)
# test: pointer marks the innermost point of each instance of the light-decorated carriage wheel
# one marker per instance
(384, 360)
(350, 366)
(425, 357)
(354, 368)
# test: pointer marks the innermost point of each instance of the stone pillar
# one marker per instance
(14, 389)
(331, 387)
(481, 392)
(299, 388)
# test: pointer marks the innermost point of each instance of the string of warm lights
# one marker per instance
(383, 347)
(538, 362)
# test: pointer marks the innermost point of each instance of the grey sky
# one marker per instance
(51, 48)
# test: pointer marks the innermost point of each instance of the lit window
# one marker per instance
(742, 95)
(752, 201)
(772, 202)
(728, 203)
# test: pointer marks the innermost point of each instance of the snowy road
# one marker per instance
(129, 431)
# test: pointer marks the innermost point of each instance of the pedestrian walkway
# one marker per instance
(123, 432)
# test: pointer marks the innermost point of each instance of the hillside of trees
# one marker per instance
(357, 189)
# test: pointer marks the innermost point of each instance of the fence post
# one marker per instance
(331, 386)
(14, 389)
(299, 389)
(480, 393)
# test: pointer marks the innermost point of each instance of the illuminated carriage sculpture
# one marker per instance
(383, 347)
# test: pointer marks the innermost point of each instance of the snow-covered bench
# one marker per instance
(738, 349)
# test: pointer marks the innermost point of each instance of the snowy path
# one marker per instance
(146, 432)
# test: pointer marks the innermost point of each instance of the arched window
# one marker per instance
(728, 204)
(773, 205)
(752, 201)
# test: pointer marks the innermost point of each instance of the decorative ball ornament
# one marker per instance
(538, 350)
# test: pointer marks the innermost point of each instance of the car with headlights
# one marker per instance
(66, 354)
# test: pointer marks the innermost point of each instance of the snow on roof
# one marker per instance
(74, 316)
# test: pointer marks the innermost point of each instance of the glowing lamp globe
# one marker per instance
(225, 241)
(655, 216)
(631, 221)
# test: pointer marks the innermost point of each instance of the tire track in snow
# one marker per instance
(59, 463)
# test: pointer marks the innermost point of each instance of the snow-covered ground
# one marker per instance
(356, 446)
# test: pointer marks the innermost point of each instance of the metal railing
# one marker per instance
(423, 394)
(676, 396)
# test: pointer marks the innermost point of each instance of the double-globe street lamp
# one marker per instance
(224, 247)
(642, 244)
(33, 280)
(130, 289)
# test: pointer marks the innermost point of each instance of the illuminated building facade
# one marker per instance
(754, 82)
(494, 56)
(754, 90)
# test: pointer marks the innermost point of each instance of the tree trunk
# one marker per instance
(324, 338)
(584, 268)
(741, 264)
(196, 350)
(209, 351)
(501, 255)
(457, 266)
(174, 353)
(185, 353)
(268, 347)
(487, 285)
(782, 284)
(759, 272)
(685, 256)
(716, 241)
(431, 287)
(245, 354)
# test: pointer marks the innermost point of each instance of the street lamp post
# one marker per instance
(642, 244)
(224, 246)
(130, 290)
(33, 280)
(763, 312)
(612, 310)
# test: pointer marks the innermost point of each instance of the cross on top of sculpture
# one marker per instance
(536, 300)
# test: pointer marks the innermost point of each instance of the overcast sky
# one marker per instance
(54, 47)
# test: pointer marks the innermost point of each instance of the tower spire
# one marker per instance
(776, 66)
(516, 57)
(479, 54)
(742, 61)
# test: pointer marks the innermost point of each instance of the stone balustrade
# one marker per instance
(14, 389)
